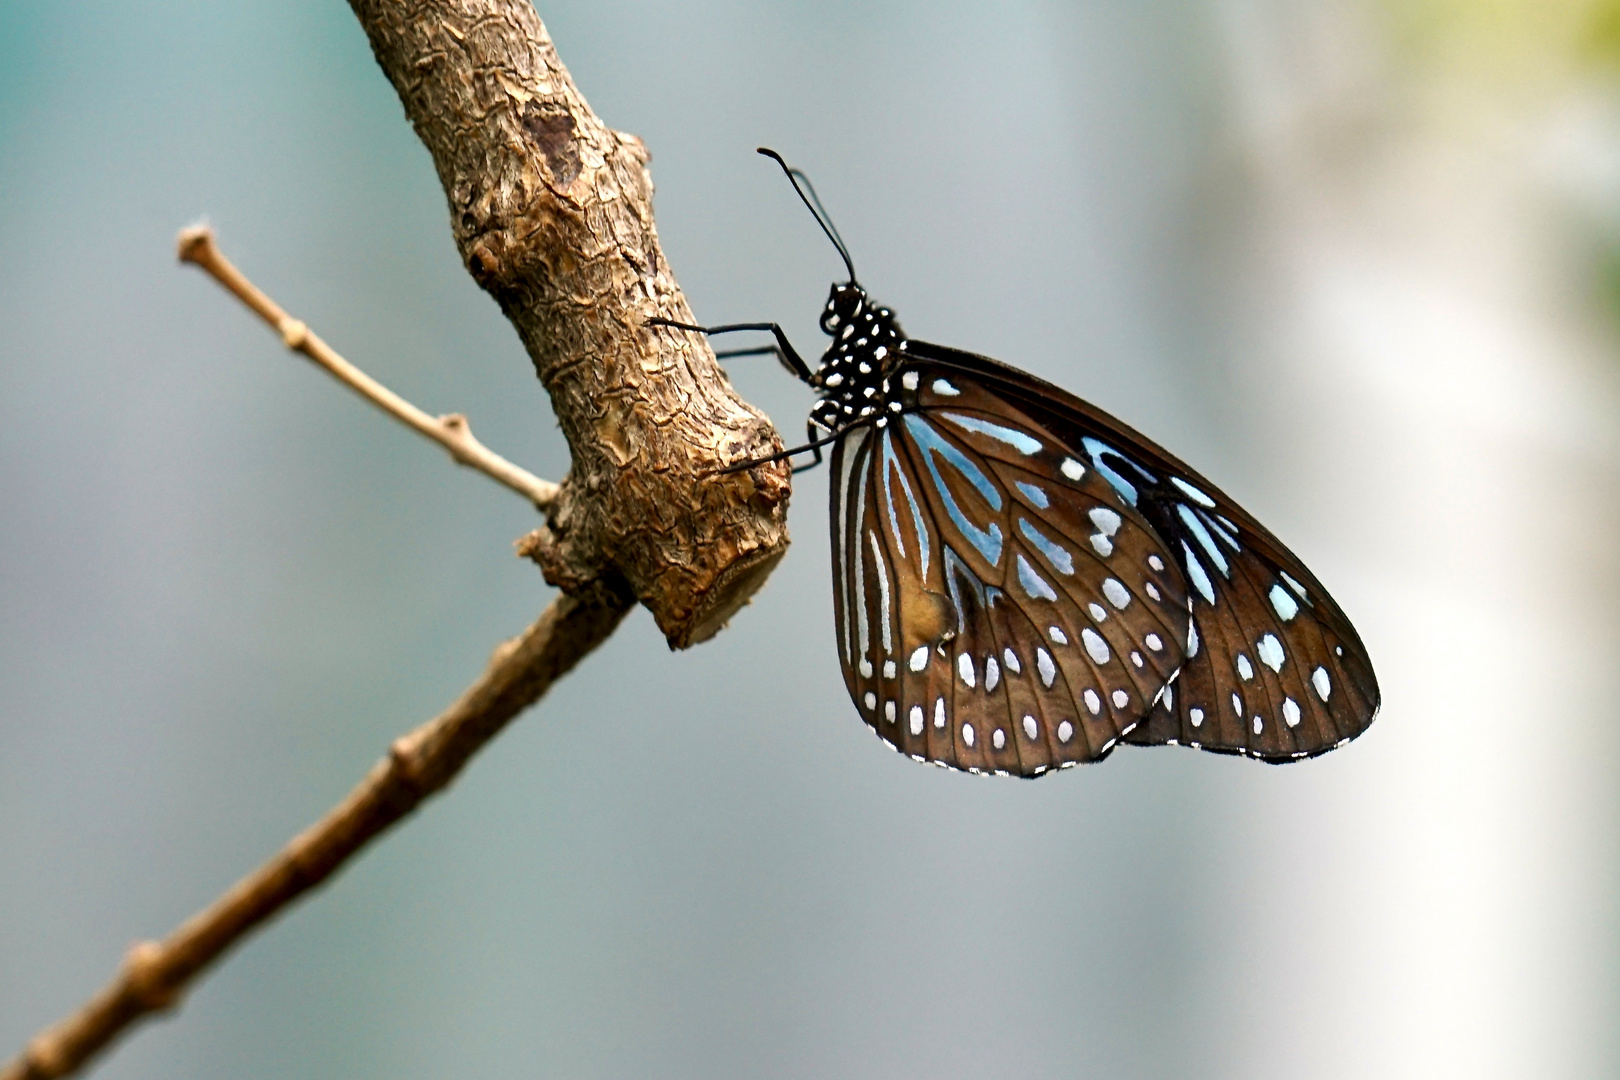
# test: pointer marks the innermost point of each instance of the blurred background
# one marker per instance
(1358, 260)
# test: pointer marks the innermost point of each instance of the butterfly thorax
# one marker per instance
(854, 375)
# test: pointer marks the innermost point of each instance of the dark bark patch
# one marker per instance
(552, 131)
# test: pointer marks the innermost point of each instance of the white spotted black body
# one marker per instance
(858, 375)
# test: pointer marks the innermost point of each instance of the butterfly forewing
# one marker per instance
(1000, 608)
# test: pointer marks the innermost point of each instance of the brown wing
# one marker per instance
(996, 601)
(1273, 668)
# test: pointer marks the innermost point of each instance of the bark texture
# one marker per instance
(552, 212)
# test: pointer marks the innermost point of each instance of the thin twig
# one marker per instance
(451, 431)
(155, 974)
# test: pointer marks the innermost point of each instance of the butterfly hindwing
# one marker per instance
(1270, 666)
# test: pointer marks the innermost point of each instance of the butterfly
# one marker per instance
(1022, 583)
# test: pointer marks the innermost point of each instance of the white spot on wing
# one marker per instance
(1093, 702)
(1121, 699)
(1152, 590)
(888, 711)
(939, 713)
(1283, 603)
(1244, 668)
(870, 699)
(1192, 640)
(998, 738)
(1098, 612)
(888, 669)
(967, 734)
(1257, 724)
(919, 658)
(1116, 593)
(1291, 712)
(1196, 716)
(1157, 563)
(1044, 665)
(1096, 647)
(1153, 642)
(964, 668)
(1106, 520)
(1011, 659)
(1102, 545)
(992, 673)
(947, 390)
(1072, 469)
(1271, 652)
(1057, 635)
(866, 668)
(909, 380)
(916, 718)
(1030, 729)
(1065, 731)
(1323, 685)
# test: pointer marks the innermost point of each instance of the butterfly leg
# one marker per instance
(813, 447)
(788, 355)
(759, 350)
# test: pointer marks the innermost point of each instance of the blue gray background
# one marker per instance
(1350, 260)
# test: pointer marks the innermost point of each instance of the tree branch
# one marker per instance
(196, 246)
(552, 213)
(155, 974)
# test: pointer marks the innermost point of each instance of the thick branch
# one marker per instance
(552, 212)
(196, 246)
(154, 974)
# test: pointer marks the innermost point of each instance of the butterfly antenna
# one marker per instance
(813, 204)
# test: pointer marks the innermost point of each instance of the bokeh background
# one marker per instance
(1359, 260)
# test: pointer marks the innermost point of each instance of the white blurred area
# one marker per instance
(1416, 232)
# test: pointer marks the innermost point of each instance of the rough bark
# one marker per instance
(552, 212)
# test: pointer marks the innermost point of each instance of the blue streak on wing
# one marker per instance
(1225, 535)
(1034, 494)
(1034, 585)
(988, 541)
(1019, 441)
(1195, 571)
(1205, 541)
(1061, 560)
(955, 568)
(891, 462)
(1127, 490)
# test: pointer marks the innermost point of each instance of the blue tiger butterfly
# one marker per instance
(1021, 582)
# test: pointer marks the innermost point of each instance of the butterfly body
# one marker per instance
(1022, 582)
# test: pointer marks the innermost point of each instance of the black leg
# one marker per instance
(812, 447)
(761, 350)
(789, 356)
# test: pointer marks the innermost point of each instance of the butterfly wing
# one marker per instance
(999, 608)
(1270, 667)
